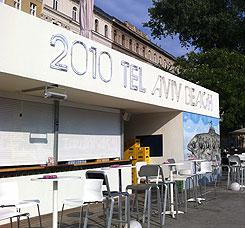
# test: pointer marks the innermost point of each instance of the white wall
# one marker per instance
(100, 35)
(168, 124)
(64, 7)
(174, 138)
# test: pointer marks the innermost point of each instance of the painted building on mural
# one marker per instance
(201, 137)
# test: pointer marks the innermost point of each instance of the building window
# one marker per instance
(33, 9)
(74, 13)
(123, 40)
(106, 31)
(143, 51)
(55, 4)
(155, 57)
(115, 35)
(160, 60)
(137, 48)
(169, 64)
(96, 25)
(130, 44)
(149, 54)
(17, 4)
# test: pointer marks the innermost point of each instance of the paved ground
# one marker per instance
(227, 210)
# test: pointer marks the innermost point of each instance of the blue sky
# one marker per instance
(136, 12)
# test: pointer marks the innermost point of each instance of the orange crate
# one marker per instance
(143, 153)
(135, 143)
(130, 153)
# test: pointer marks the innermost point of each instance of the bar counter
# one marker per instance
(40, 169)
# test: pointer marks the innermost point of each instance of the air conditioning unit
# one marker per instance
(55, 95)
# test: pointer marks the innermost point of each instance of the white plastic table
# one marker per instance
(55, 193)
(119, 169)
(172, 212)
(195, 163)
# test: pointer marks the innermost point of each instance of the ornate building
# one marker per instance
(107, 30)
(127, 39)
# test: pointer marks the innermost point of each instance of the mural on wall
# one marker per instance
(201, 137)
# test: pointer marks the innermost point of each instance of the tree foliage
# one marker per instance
(222, 71)
(204, 24)
(217, 28)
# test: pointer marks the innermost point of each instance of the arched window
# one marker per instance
(106, 31)
(74, 13)
(55, 4)
(155, 57)
(149, 54)
(123, 40)
(96, 25)
(160, 60)
(143, 51)
(137, 48)
(130, 44)
(115, 35)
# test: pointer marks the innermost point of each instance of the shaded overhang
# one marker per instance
(16, 85)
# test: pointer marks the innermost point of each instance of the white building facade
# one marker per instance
(101, 85)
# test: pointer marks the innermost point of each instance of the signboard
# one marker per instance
(42, 51)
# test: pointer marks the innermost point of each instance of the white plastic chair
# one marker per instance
(138, 166)
(92, 193)
(236, 170)
(9, 196)
(109, 198)
(10, 213)
(206, 168)
(185, 175)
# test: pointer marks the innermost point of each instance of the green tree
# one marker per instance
(222, 71)
(204, 24)
(217, 28)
